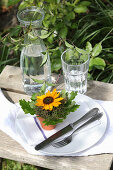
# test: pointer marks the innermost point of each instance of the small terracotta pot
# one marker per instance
(49, 127)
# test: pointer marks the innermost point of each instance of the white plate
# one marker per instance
(86, 138)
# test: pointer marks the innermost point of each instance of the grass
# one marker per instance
(13, 165)
(6, 58)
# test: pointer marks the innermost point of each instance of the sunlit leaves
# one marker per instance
(80, 9)
(88, 47)
(26, 107)
(97, 50)
(81, 51)
(45, 35)
(85, 3)
(68, 45)
(45, 56)
(98, 63)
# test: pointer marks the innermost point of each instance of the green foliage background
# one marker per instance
(13, 165)
(75, 21)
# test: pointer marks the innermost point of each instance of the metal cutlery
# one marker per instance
(66, 129)
(68, 139)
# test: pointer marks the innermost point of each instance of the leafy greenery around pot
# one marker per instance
(52, 106)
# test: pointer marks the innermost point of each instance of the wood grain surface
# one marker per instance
(11, 83)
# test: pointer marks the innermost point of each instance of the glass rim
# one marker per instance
(32, 8)
(72, 64)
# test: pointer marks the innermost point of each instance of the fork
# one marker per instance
(68, 139)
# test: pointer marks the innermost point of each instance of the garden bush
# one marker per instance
(85, 24)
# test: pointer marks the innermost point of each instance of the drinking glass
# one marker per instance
(75, 70)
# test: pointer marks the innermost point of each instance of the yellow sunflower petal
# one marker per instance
(40, 97)
(54, 92)
(56, 104)
(46, 107)
(59, 99)
(48, 93)
(56, 95)
(50, 107)
(39, 103)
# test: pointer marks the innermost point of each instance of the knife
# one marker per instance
(66, 129)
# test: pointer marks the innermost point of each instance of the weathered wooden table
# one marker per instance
(11, 83)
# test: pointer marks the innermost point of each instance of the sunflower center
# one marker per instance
(48, 100)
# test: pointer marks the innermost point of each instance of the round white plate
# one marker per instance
(85, 139)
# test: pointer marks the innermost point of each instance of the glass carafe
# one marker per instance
(33, 51)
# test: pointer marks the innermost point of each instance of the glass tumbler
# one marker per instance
(75, 70)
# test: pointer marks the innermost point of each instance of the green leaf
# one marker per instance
(8, 61)
(63, 32)
(74, 26)
(50, 39)
(72, 95)
(69, 55)
(63, 93)
(81, 50)
(53, 20)
(44, 59)
(56, 53)
(97, 50)
(15, 40)
(43, 88)
(56, 65)
(12, 2)
(45, 36)
(97, 62)
(88, 47)
(70, 16)
(15, 31)
(38, 81)
(68, 45)
(33, 97)
(81, 9)
(85, 3)
(24, 4)
(74, 108)
(84, 57)
(31, 36)
(26, 107)
(32, 104)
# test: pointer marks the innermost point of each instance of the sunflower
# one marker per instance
(49, 100)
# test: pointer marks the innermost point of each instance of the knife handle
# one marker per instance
(92, 119)
(53, 137)
(88, 115)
